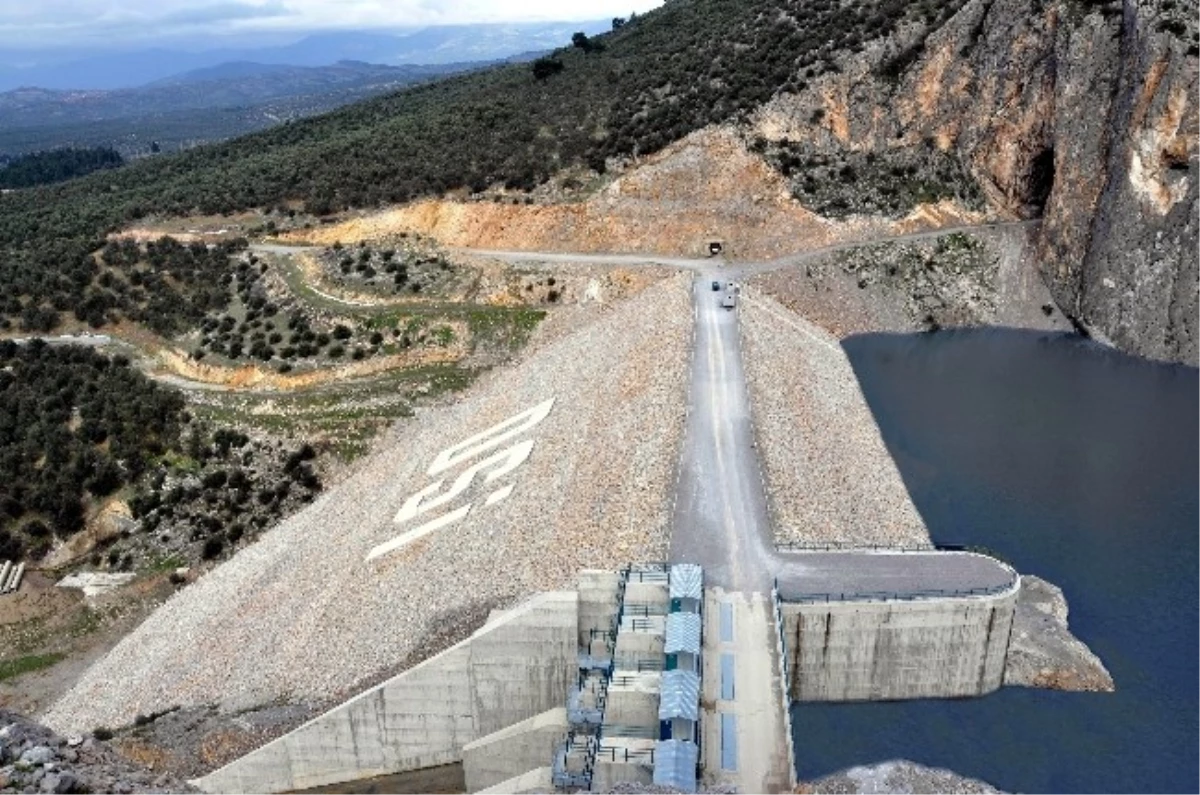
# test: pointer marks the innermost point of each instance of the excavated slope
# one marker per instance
(706, 186)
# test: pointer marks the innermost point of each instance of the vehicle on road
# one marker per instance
(716, 286)
(729, 301)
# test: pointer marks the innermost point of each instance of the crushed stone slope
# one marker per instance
(829, 476)
(303, 615)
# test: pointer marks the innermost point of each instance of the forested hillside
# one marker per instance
(632, 91)
(56, 165)
(78, 427)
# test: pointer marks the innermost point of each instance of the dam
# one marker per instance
(647, 675)
(678, 674)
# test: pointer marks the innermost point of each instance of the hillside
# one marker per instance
(845, 99)
(656, 79)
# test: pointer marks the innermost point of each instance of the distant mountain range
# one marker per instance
(435, 45)
(197, 107)
(237, 84)
(175, 99)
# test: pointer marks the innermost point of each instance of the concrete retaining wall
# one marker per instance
(597, 602)
(515, 750)
(879, 651)
(632, 707)
(509, 670)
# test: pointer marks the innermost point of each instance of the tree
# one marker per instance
(581, 40)
(545, 67)
(618, 23)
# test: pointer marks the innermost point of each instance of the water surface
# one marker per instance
(1079, 465)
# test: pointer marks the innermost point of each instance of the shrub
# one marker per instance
(213, 548)
(545, 67)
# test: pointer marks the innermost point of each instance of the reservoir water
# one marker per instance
(1074, 463)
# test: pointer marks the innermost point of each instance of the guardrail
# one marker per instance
(888, 596)
(785, 687)
(833, 546)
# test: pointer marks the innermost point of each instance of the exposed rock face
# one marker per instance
(1042, 651)
(1083, 112)
(897, 776)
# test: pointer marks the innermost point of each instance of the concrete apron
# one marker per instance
(743, 725)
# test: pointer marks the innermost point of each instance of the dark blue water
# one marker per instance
(1079, 465)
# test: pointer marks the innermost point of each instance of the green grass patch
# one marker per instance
(10, 669)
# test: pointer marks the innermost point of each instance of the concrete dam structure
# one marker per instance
(518, 665)
(644, 676)
(890, 650)
(883, 638)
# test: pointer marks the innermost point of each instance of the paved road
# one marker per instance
(730, 268)
(744, 729)
(721, 519)
(904, 573)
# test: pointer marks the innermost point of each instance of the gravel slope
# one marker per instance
(899, 777)
(301, 614)
(830, 479)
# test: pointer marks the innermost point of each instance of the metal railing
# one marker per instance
(639, 756)
(586, 745)
(648, 572)
(645, 610)
(642, 624)
(892, 596)
(636, 732)
(850, 546)
(629, 680)
(638, 662)
(785, 685)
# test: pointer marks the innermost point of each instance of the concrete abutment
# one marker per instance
(900, 649)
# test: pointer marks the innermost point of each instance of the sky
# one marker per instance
(26, 24)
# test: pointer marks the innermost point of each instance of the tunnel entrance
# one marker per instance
(1041, 178)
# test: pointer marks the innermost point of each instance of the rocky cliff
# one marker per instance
(1078, 111)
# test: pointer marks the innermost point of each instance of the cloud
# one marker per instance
(117, 23)
(223, 12)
